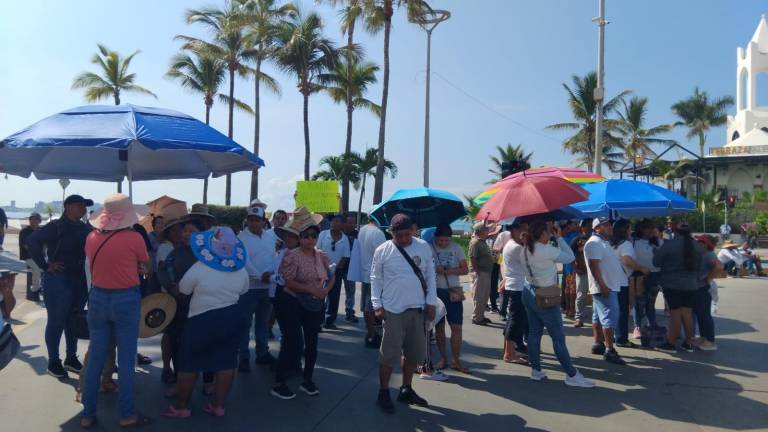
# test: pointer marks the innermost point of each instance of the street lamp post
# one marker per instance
(599, 93)
(429, 21)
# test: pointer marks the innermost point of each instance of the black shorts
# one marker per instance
(677, 299)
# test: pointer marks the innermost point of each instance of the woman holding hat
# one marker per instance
(306, 273)
(115, 253)
(215, 324)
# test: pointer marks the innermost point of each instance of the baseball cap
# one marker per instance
(400, 221)
(35, 215)
(596, 222)
(77, 199)
(256, 211)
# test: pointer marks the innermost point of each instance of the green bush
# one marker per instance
(231, 216)
(761, 219)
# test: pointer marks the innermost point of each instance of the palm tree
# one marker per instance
(507, 154)
(230, 45)
(340, 168)
(367, 167)
(699, 114)
(637, 140)
(114, 77)
(379, 17)
(584, 109)
(303, 51)
(262, 16)
(202, 74)
(348, 83)
(472, 208)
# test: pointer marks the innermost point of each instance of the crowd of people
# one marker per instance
(231, 287)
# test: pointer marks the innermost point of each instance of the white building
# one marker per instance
(742, 164)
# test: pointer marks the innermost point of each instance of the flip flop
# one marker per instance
(214, 410)
(173, 412)
(93, 422)
(141, 421)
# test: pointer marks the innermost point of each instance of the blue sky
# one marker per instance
(497, 65)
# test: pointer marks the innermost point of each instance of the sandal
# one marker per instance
(460, 368)
(88, 422)
(173, 412)
(518, 360)
(141, 421)
(216, 411)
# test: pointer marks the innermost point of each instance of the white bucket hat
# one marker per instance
(118, 213)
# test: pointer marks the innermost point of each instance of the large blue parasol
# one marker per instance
(427, 207)
(631, 199)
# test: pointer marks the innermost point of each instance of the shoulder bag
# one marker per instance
(78, 320)
(416, 269)
(546, 296)
(309, 302)
(455, 294)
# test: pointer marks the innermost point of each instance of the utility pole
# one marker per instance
(428, 21)
(599, 94)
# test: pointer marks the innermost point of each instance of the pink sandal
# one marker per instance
(173, 412)
(214, 410)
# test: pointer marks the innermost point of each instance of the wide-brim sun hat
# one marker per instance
(729, 244)
(301, 221)
(157, 311)
(118, 213)
(201, 210)
(220, 249)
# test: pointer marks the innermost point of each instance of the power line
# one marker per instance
(493, 110)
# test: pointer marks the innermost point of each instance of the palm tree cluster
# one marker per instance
(244, 35)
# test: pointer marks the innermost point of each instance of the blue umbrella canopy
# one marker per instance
(427, 207)
(565, 213)
(630, 198)
(107, 143)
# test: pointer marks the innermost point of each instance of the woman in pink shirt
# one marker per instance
(116, 253)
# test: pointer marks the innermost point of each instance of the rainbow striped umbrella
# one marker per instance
(573, 175)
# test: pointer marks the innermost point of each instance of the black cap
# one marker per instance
(400, 221)
(76, 199)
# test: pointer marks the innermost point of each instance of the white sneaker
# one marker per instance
(437, 375)
(538, 375)
(706, 345)
(579, 380)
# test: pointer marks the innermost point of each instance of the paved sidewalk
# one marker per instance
(724, 390)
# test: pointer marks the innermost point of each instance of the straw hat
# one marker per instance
(302, 220)
(157, 311)
(201, 210)
(220, 249)
(728, 244)
(118, 213)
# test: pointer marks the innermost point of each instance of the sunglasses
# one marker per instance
(309, 235)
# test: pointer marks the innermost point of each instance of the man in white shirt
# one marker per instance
(369, 238)
(261, 246)
(730, 258)
(403, 296)
(605, 280)
(336, 245)
(514, 283)
(498, 247)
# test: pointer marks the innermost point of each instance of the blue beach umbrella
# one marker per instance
(631, 199)
(565, 213)
(427, 207)
(108, 143)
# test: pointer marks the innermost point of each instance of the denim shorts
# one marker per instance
(605, 311)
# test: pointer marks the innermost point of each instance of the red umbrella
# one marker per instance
(531, 195)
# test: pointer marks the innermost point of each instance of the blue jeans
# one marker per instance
(349, 298)
(112, 314)
(703, 312)
(332, 301)
(622, 333)
(258, 307)
(550, 318)
(645, 305)
(63, 295)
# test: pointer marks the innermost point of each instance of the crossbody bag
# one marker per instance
(455, 294)
(546, 296)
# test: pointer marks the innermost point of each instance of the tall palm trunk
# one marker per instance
(360, 201)
(378, 189)
(702, 142)
(208, 103)
(305, 93)
(230, 131)
(116, 94)
(256, 126)
(350, 110)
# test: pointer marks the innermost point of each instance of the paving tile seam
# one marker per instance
(362, 378)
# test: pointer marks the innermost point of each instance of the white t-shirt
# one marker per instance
(369, 238)
(394, 284)
(336, 250)
(513, 266)
(540, 266)
(163, 251)
(501, 240)
(610, 267)
(727, 255)
(622, 250)
(449, 257)
(212, 289)
(644, 253)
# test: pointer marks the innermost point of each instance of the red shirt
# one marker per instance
(117, 265)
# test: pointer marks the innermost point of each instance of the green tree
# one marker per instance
(506, 155)
(698, 113)
(584, 110)
(472, 208)
(340, 168)
(262, 16)
(637, 139)
(303, 51)
(368, 164)
(202, 74)
(114, 78)
(353, 80)
(378, 17)
(228, 44)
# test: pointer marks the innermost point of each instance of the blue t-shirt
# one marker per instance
(568, 268)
